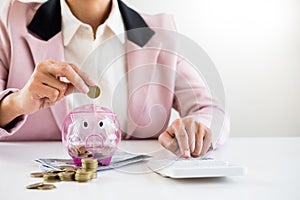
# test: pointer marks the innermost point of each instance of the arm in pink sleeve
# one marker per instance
(193, 99)
(5, 49)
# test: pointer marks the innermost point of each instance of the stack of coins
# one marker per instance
(90, 165)
(83, 176)
(67, 175)
(87, 172)
(52, 176)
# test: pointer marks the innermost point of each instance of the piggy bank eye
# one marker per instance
(85, 125)
(101, 124)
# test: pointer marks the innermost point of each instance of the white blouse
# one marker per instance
(81, 49)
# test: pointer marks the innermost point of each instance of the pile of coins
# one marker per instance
(79, 151)
(87, 172)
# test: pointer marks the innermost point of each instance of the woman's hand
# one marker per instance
(186, 137)
(44, 89)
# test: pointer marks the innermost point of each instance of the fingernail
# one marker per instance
(85, 89)
(187, 153)
(92, 81)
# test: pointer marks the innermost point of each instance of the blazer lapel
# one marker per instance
(41, 51)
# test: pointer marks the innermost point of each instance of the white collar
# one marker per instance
(70, 23)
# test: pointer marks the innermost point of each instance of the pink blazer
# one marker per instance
(23, 44)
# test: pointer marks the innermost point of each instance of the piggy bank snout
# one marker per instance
(96, 132)
(94, 141)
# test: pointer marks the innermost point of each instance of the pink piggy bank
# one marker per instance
(91, 131)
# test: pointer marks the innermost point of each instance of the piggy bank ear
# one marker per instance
(76, 117)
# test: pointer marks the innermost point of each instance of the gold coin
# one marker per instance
(94, 92)
(37, 174)
(94, 175)
(67, 176)
(89, 160)
(52, 180)
(35, 185)
(46, 187)
(55, 171)
(89, 164)
(83, 176)
(83, 173)
(68, 168)
(51, 177)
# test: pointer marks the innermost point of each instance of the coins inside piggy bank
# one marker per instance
(94, 92)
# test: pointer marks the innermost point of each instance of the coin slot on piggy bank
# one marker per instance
(91, 131)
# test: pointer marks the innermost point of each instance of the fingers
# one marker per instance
(199, 140)
(186, 137)
(83, 75)
(206, 143)
(169, 142)
(203, 140)
(46, 87)
(47, 93)
(190, 127)
(73, 74)
(175, 139)
(65, 70)
(178, 128)
(70, 90)
(55, 84)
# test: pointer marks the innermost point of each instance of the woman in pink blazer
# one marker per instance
(32, 97)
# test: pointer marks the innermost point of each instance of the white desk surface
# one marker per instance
(273, 173)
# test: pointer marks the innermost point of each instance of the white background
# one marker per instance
(255, 45)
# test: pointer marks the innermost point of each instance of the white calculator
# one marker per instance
(195, 168)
